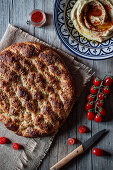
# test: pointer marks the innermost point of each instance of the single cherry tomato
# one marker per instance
(100, 96)
(102, 111)
(98, 152)
(2, 140)
(90, 97)
(88, 106)
(90, 115)
(96, 81)
(108, 81)
(93, 90)
(106, 90)
(15, 146)
(98, 118)
(99, 103)
(82, 129)
(71, 141)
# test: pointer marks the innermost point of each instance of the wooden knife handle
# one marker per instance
(68, 158)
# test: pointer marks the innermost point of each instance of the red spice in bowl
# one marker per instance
(37, 18)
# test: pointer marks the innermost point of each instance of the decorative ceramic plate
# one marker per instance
(70, 37)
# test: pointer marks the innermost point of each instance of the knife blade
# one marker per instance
(93, 139)
(78, 150)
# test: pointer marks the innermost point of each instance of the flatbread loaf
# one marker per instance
(36, 89)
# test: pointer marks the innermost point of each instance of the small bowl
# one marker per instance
(37, 24)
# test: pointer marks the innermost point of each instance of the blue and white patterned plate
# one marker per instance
(71, 38)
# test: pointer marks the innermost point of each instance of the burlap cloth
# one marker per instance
(34, 149)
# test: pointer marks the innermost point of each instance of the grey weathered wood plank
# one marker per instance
(19, 14)
(4, 18)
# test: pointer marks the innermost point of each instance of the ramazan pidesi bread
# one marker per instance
(36, 89)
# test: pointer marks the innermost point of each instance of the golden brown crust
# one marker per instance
(36, 89)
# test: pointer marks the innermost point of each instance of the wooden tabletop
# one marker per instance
(17, 12)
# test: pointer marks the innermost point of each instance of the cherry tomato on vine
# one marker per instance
(82, 129)
(93, 90)
(90, 97)
(98, 152)
(100, 96)
(90, 115)
(96, 81)
(71, 141)
(108, 81)
(88, 106)
(98, 118)
(102, 111)
(106, 90)
(99, 103)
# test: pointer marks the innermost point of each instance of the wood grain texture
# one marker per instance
(16, 12)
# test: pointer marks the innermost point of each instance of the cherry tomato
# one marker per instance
(2, 140)
(106, 90)
(108, 81)
(96, 81)
(90, 115)
(88, 106)
(102, 111)
(99, 103)
(98, 118)
(93, 90)
(82, 129)
(100, 96)
(71, 141)
(97, 152)
(15, 146)
(90, 98)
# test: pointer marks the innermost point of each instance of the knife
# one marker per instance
(78, 150)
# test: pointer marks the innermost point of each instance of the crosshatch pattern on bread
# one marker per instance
(36, 89)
